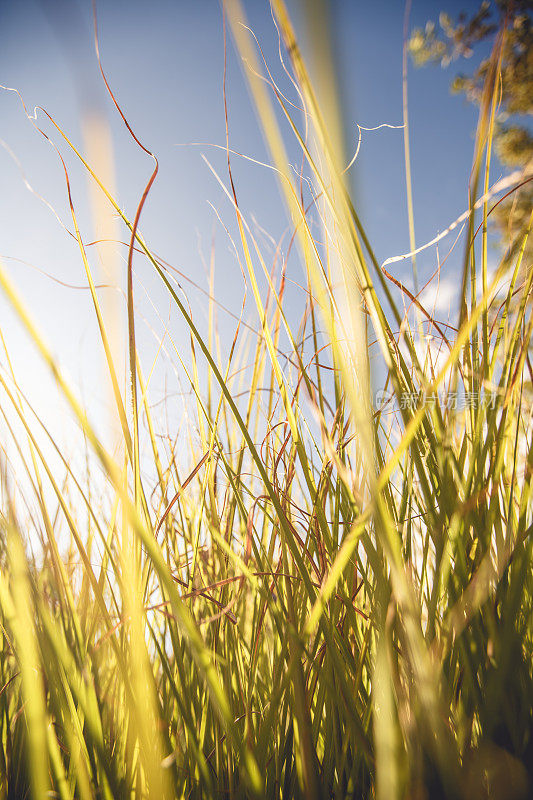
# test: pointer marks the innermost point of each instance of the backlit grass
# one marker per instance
(328, 593)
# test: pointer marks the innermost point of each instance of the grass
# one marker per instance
(329, 597)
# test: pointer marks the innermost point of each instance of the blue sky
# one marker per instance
(164, 61)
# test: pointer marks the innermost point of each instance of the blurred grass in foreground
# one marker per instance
(336, 602)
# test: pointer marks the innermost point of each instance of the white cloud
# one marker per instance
(443, 296)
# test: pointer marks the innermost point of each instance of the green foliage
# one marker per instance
(513, 139)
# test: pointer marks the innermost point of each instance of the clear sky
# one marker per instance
(164, 61)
